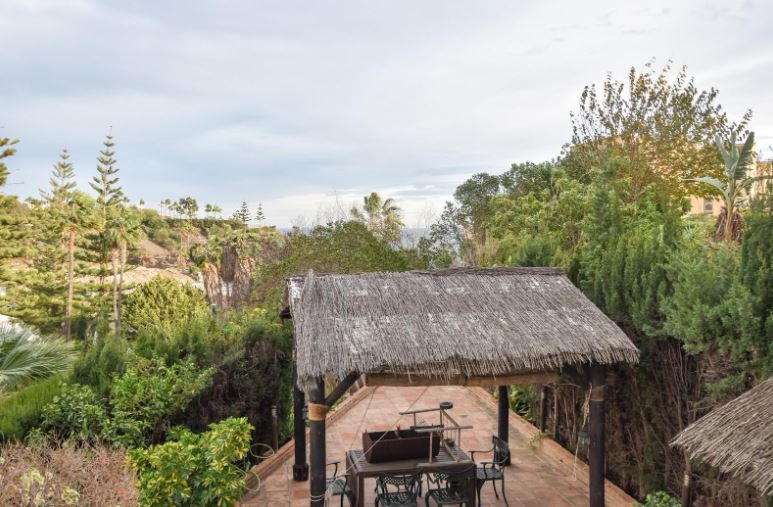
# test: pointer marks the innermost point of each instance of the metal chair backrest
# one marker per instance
(454, 480)
(501, 451)
(386, 484)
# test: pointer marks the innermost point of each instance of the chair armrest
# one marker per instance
(480, 451)
(335, 470)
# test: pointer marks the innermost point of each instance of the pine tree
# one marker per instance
(67, 210)
(110, 199)
(13, 217)
(259, 216)
(242, 214)
(6, 150)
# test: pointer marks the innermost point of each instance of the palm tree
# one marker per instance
(382, 217)
(736, 182)
(25, 357)
(125, 231)
(77, 217)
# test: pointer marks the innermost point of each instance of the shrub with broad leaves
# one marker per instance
(194, 469)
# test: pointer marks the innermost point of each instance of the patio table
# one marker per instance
(358, 469)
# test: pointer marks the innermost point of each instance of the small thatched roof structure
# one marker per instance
(737, 438)
(472, 322)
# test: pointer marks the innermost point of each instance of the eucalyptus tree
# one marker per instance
(734, 183)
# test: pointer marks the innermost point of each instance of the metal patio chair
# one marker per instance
(493, 471)
(398, 490)
(339, 486)
(449, 487)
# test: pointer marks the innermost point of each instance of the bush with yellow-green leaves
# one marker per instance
(195, 469)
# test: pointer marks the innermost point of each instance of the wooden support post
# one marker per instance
(596, 434)
(274, 428)
(503, 430)
(300, 467)
(318, 453)
(556, 412)
(543, 409)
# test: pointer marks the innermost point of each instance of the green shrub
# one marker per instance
(148, 395)
(660, 499)
(254, 354)
(195, 469)
(20, 411)
(100, 363)
(74, 414)
(163, 306)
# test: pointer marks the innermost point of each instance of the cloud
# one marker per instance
(301, 105)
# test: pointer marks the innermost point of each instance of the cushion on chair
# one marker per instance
(487, 474)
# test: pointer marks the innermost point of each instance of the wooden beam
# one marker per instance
(387, 379)
(341, 388)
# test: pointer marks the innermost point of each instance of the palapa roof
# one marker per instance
(465, 321)
(737, 438)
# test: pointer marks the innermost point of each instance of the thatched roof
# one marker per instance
(737, 438)
(473, 322)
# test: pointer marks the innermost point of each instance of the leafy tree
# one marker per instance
(663, 127)
(147, 395)
(163, 306)
(25, 357)
(734, 183)
(338, 247)
(381, 216)
(461, 233)
(529, 177)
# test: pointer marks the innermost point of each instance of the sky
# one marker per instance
(307, 106)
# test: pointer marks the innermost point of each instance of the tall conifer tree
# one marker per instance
(110, 199)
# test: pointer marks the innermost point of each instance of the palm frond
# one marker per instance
(749, 181)
(25, 357)
(708, 180)
(726, 157)
(745, 157)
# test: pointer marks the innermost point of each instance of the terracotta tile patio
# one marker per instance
(542, 473)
